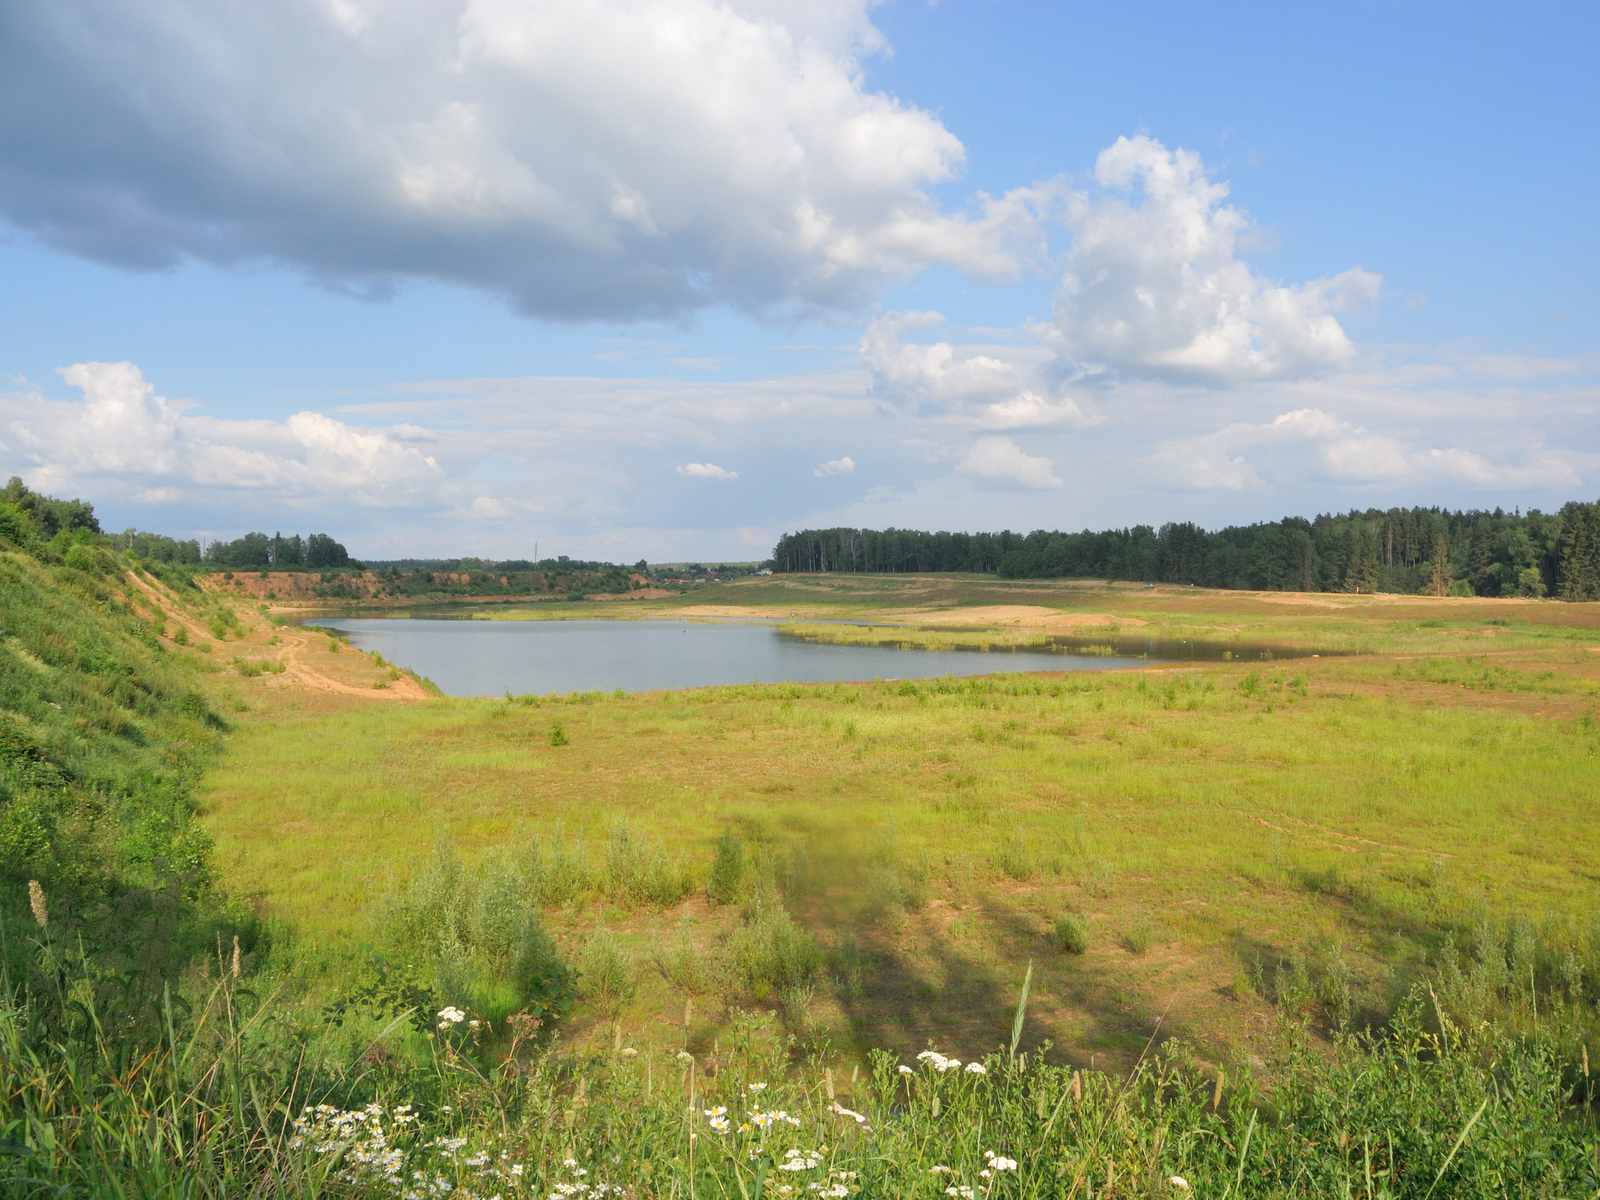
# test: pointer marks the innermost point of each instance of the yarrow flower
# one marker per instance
(1179, 1182)
(963, 1193)
(905, 1070)
(450, 1015)
(835, 1187)
(938, 1061)
(977, 1069)
(800, 1160)
(999, 1163)
(940, 1171)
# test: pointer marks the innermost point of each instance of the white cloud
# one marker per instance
(1155, 288)
(706, 471)
(616, 157)
(836, 466)
(1310, 445)
(975, 387)
(125, 436)
(1002, 460)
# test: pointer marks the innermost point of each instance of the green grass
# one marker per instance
(822, 880)
(1212, 821)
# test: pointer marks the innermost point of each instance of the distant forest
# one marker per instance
(1407, 550)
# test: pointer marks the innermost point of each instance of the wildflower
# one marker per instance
(800, 1160)
(763, 1119)
(450, 1015)
(962, 1193)
(976, 1069)
(845, 1112)
(41, 913)
(1179, 1182)
(938, 1061)
(628, 1052)
(940, 1171)
(756, 1087)
(905, 1070)
(1000, 1163)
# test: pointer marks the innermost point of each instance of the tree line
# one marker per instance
(1406, 550)
(257, 551)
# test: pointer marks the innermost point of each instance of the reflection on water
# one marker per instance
(473, 658)
(1181, 650)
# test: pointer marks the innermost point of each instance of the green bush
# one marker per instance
(771, 954)
(479, 932)
(640, 872)
(685, 965)
(1070, 934)
(556, 869)
(558, 732)
(726, 885)
(1139, 935)
(608, 980)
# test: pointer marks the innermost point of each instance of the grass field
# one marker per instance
(1224, 832)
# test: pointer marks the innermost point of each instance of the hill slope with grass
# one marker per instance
(103, 731)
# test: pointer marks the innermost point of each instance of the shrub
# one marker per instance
(770, 953)
(1012, 858)
(639, 872)
(609, 980)
(479, 933)
(555, 870)
(684, 965)
(726, 885)
(1071, 934)
(850, 962)
(1139, 935)
(558, 733)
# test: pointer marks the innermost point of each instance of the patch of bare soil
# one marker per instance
(1021, 616)
(305, 669)
(652, 593)
(731, 612)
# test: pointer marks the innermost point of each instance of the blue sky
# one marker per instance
(666, 278)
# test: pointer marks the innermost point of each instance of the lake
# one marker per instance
(474, 658)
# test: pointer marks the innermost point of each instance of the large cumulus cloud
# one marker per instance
(594, 158)
(1155, 287)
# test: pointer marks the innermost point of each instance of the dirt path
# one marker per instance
(298, 644)
(171, 612)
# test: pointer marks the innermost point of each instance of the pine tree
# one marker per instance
(1439, 583)
(1580, 552)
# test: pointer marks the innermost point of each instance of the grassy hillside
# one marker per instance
(103, 731)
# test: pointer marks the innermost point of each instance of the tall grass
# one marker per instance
(235, 1098)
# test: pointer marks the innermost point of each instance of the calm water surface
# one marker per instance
(473, 658)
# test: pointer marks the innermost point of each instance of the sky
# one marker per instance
(667, 278)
